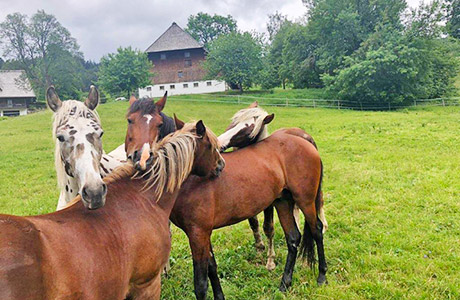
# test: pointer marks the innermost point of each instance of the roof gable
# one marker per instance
(174, 38)
(15, 84)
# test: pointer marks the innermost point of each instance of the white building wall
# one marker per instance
(22, 111)
(183, 88)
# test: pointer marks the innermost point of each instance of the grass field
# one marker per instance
(392, 192)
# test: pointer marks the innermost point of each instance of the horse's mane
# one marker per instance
(69, 109)
(173, 160)
(144, 106)
(248, 113)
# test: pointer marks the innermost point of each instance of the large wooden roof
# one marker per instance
(14, 84)
(174, 38)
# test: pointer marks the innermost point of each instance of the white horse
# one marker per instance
(249, 126)
(79, 159)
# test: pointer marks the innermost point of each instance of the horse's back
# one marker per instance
(20, 259)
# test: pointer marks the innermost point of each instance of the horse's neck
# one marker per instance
(68, 191)
(168, 126)
(263, 134)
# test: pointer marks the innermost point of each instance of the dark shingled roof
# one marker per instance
(174, 38)
(14, 84)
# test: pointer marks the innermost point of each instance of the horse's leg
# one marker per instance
(285, 207)
(214, 278)
(297, 215)
(254, 223)
(313, 230)
(269, 231)
(200, 245)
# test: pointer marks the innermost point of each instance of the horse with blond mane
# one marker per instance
(117, 251)
(283, 170)
(249, 126)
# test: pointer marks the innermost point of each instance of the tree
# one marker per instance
(236, 58)
(453, 18)
(33, 44)
(206, 28)
(274, 24)
(125, 71)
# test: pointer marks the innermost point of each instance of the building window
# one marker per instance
(10, 103)
(185, 86)
(180, 74)
(195, 84)
(208, 83)
(187, 54)
(188, 62)
(163, 56)
(149, 88)
(162, 87)
(172, 86)
(11, 113)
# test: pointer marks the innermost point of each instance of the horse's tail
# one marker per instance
(307, 245)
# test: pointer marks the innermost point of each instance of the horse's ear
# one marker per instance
(268, 119)
(200, 129)
(162, 102)
(52, 99)
(254, 104)
(132, 99)
(179, 123)
(93, 98)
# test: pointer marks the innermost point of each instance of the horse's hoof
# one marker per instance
(260, 247)
(283, 287)
(321, 280)
(270, 265)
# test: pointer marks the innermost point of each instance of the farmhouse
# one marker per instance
(15, 93)
(177, 58)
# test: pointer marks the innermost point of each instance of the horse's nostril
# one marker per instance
(84, 193)
(104, 188)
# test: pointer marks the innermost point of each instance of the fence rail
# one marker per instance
(313, 103)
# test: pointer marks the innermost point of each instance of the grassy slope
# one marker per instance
(391, 186)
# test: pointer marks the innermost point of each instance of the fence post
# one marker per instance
(314, 104)
(238, 99)
(287, 102)
(338, 104)
(443, 104)
(415, 102)
(389, 106)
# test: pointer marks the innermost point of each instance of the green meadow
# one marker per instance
(392, 200)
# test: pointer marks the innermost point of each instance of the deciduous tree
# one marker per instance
(124, 71)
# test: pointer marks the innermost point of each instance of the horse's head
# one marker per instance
(247, 127)
(207, 158)
(144, 125)
(78, 134)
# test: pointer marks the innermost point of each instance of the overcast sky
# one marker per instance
(100, 26)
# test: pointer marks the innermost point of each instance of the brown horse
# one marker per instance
(117, 251)
(146, 117)
(249, 126)
(283, 170)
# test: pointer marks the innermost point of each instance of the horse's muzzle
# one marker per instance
(93, 197)
(220, 167)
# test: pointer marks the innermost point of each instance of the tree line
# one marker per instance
(365, 52)
(371, 53)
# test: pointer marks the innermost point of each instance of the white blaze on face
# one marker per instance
(226, 137)
(149, 118)
(145, 155)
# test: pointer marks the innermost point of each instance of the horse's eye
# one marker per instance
(160, 125)
(61, 138)
(102, 133)
(130, 121)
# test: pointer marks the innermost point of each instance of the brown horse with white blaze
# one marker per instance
(117, 251)
(282, 170)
